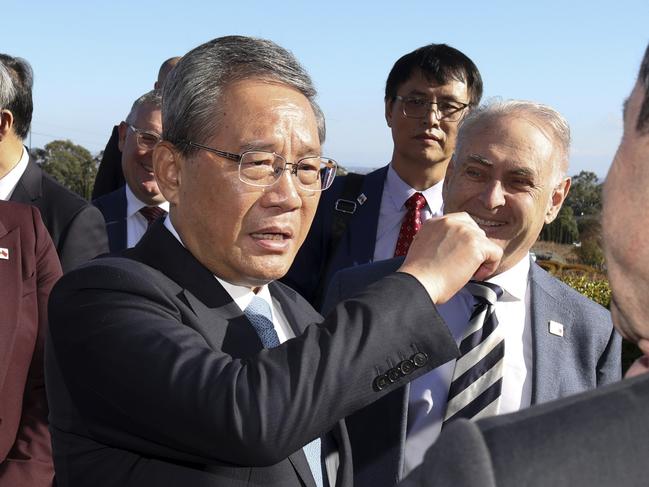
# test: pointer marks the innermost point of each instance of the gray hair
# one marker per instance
(153, 98)
(21, 103)
(7, 90)
(194, 86)
(549, 121)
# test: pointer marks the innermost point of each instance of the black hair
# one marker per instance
(438, 63)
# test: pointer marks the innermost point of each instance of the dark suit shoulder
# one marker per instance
(610, 424)
(112, 205)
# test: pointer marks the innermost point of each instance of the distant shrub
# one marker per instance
(595, 288)
(599, 290)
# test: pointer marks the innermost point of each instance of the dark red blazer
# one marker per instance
(29, 267)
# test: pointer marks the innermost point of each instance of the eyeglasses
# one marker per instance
(145, 139)
(263, 168)
(415, 107)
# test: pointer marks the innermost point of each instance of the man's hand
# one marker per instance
(447, 252)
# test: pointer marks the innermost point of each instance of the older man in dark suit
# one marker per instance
(29, 268)
(76, 227)
(175, 364)
(595, 439)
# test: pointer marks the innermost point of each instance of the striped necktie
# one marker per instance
(152, 213)
(477, 379)
(259, 315)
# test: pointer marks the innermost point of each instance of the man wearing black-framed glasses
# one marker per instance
(130, 209)
(427, 94)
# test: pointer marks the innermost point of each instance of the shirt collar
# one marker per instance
(133, 204)
(10, 180)
(514, 280)
(400, 191)
(241, 295)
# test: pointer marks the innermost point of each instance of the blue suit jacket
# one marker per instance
(113, 207)
(587, 356)
(309, 274)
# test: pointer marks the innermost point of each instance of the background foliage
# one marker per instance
(71, 165)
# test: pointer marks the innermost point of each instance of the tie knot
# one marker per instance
(259, 307)
(416, 202)
(152, 213)
(485, 290)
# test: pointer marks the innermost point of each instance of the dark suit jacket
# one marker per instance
(27, 276)
(155, 377)
(595, 439)
(109, 174)
(76, 227)
(113, 208)
(587, 356)
(309, 274)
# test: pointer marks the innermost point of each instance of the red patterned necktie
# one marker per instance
(152, 213)
(411, 223)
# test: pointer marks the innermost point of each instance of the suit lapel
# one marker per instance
(220, 320)
(29, 189)
(547, 353)
(11, 277)
(362, 229)
(114, 210)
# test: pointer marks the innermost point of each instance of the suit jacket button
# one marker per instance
(406, 367)
(381, 382)
(419, 359)
(393, 375)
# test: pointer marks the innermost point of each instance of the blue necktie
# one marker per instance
(477, 379)
(259, 315)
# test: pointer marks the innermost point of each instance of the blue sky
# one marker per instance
(91, 60)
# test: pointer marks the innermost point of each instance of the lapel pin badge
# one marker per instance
(556, 328)
(4, 253)
(361, 198)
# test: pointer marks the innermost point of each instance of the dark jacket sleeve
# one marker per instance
(143, 378)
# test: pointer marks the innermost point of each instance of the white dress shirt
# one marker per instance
(136, 223)
(10, 180)
(395, 193)
(428, 393)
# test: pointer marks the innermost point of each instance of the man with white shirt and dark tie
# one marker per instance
(428, 93)
(546, 341)
(130, 210)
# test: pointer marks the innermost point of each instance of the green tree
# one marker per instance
(563, 229)
(71, 165)
(585, 195)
